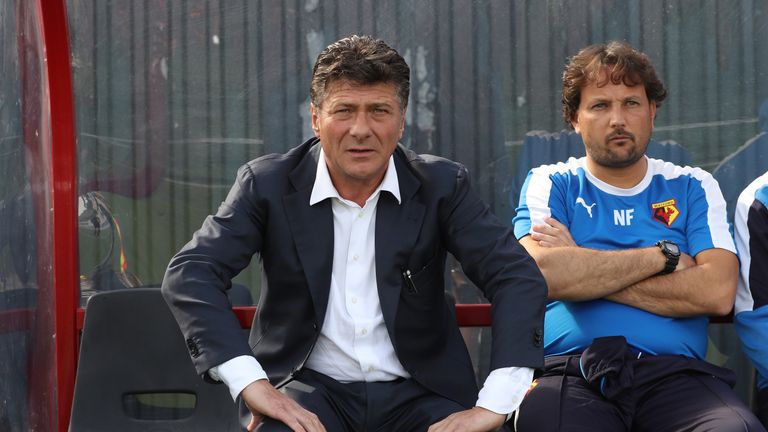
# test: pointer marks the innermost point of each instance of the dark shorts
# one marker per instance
(762, 405)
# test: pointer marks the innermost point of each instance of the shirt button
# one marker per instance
(360, 215)
(364, 332)
(355, 257)
(354, 300)
(370, 368)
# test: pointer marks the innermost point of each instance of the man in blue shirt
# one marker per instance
(636, 253)
(751, 319)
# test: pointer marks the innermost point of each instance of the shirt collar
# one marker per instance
(323, 187)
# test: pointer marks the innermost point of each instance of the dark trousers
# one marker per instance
(401, 405)
(762, 406)
(609, 388)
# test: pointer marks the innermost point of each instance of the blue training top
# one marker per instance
(681, 204)
(751, 320)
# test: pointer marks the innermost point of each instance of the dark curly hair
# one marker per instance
(623, 63)
(363, 60)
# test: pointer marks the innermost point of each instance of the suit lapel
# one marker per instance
(312, 229)
(397, 227)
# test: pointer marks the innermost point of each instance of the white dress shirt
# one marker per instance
(354, 344)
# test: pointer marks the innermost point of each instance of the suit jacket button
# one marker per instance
(193, 349)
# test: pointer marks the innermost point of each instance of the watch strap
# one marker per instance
(672, 259)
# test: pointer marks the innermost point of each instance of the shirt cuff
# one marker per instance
(504, 389)
(237, 373)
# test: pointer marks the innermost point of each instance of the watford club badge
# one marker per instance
(665, 212)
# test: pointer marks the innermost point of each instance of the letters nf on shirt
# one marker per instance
(665, 212)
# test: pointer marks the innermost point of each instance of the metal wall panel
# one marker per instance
(172, 96)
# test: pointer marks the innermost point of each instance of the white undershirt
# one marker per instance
(354, 344)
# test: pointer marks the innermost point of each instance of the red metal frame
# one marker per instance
(55, 38)
(467, 315)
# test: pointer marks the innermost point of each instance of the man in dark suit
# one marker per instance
(353, 330)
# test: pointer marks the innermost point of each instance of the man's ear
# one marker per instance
(575, 122)
(402, 125)
(653, 112)
(315, 121)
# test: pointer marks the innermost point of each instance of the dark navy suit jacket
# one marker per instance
(267, 214)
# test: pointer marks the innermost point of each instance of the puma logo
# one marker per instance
(581, 201)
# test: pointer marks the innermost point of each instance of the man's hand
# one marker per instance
(686, 261)
(476, 419)
(265, 401)
(552, 234)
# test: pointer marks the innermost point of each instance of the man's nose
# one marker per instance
(618, 117)
(360, 127)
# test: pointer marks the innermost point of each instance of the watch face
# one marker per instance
(672, 248)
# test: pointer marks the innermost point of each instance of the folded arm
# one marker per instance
(575, 273)
(705, 285)
(706, 288)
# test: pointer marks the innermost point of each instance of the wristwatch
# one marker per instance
(672, 252)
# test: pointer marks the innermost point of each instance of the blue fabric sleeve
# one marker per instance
(752, 327)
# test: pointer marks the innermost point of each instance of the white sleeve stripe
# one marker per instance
(717, 216)
(744, 300)
(537, 196)
(540, 187)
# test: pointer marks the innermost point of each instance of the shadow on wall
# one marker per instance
(749, 161)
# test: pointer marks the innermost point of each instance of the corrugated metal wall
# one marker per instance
(172, 96)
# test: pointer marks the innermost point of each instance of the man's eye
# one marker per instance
(342, 113)
(633, 103)
(599, 105)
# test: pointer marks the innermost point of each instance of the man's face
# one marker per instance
(359, 127)
(615, 123)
